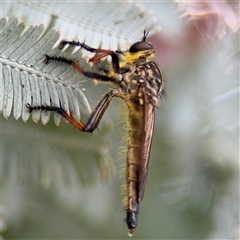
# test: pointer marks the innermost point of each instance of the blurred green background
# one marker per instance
(59, 183)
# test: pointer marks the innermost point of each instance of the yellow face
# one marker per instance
(139, 50)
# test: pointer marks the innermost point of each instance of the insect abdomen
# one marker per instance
(133, 164)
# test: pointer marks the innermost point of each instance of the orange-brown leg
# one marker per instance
(59, 110)
(94, 119)
(101, 53)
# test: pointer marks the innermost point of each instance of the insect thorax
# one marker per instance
(146, 75)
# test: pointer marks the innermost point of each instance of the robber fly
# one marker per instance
(139, 82)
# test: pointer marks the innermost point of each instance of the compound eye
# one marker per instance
(140, 46)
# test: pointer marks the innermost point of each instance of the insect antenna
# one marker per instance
(145, 33)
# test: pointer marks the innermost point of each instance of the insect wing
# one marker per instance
(148, 125)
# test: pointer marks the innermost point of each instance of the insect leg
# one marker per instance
(94, 119)
(59, 110)
(102, 53)
(99, 111)
(93, 75)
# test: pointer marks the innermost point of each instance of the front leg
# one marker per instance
(102, 53)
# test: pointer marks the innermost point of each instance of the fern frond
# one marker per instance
(27, 79)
